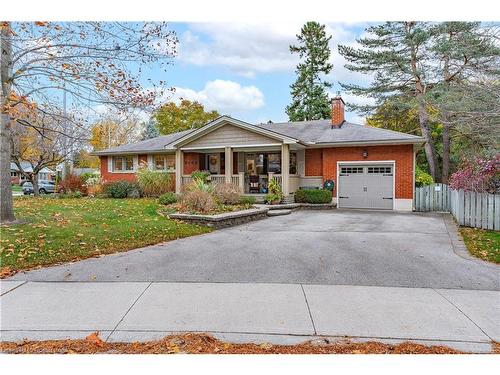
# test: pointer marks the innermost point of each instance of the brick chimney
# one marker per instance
(337, 112)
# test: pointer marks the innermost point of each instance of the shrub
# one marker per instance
(120, 189)
(91, 178)
(200, 175)
(227, 194)
(275, 193)
(72, 183)
(481, 175)
(422, 178)
(167, 198)
(199, 185)
(313, 196)
(245, 199)
(199, 201)
(154, 183)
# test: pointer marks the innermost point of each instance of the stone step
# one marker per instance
(279, 212)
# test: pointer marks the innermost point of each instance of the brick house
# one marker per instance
(369, 167)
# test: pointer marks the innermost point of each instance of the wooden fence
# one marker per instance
(470, 209)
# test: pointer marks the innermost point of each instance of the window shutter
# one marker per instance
(110, 164)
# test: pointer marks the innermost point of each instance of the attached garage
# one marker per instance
(366, 185)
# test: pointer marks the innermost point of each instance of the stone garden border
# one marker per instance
(224, 220)
(259, 212)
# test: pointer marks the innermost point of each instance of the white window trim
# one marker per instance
(111, 167)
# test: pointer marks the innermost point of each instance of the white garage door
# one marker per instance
(366, 186)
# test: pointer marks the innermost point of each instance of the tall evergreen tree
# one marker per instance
(397, 55)
(150, 130)
(466, 52)
(309, 92)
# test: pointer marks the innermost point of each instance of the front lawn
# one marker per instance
(62, 230)
(484, 244)
(17, 189)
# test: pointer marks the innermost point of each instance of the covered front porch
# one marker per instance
(249, 169)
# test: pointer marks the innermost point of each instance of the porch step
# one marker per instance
(278, 212)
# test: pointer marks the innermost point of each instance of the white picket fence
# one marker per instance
(470, 209)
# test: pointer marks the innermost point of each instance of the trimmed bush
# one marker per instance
(154, 183)
(245, 199)
(199, 201)
(167, 198)
(120, 189)
(313, 196)
(227, 194)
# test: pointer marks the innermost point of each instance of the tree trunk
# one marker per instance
(430, 150)
(34, 182)
(446, 148)
(6, 201)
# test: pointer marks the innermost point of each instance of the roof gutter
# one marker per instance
(367, 143)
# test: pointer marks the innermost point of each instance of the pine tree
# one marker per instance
(309, 92)
(468, 59)
(150, 130)
(397, 55)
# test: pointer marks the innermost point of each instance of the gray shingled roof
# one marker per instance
(307, 132)
(153, 144)
(320, 131)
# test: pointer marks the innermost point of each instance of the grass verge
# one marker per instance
(482, 243)
(62, 230)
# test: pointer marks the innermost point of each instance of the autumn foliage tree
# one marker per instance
(172, 117)
(94, 63)
(113, 131)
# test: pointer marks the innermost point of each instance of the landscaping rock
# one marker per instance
(278, 212)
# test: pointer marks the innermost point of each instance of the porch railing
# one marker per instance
(276, 177)
(237, 180)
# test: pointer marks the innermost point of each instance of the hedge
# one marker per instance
(313, 196)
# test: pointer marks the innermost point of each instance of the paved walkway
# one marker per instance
(279, 313)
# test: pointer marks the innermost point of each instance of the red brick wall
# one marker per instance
(191, 162)
(323, 162)
(314, 162)
(107, 176)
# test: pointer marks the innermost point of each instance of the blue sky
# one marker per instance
(245, 70)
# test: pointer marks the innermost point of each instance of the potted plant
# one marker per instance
(275, 194)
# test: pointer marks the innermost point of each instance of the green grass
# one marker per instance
(17, 188)
(483, 244)
(62, 230)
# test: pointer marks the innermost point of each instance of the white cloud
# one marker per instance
(253, 48)
(223, 96)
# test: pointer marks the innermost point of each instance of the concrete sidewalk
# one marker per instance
(277, 313)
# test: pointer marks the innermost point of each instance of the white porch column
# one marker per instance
(228, 169)
(179, 170)
(241, 181)
(285, 169)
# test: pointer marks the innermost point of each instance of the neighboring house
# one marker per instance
(16, 178)
(370, 167)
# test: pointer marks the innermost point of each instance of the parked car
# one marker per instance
(44, 187)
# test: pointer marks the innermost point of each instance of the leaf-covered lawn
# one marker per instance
(481, 243)
(62, 230)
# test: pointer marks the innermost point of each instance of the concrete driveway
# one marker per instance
(369, 248)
